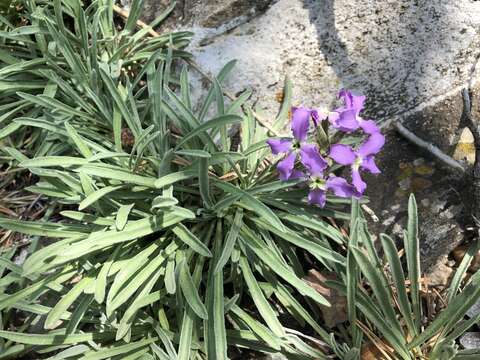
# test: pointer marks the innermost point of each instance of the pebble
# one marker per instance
(474, 310)
(470, 340)
(405, 184)
(389, 221)
(425, 202)
(418, 162)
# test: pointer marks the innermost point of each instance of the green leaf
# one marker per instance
(204, 183)
(450, 316)
(48, 161)
(57, 338)
(118, 350)
(384, 298)
(78, 141)
(217, 122)
(133, 15)
(116, 174)
(230, 241)
(265, 255)
(412, 252)
(9, 129)
(263, 307)
(43, 228)
(55, 314)
(173, 178)
(353, 279)
(253, 204)
(122, 216)
(194, 153)
(214, 327)
(97, 195)
(191, 240)
(286, 103)
(161, 202)
(399, 281)
(258, 328)
(319, 251)
(190, 292)
(150, 272)
(462, 269)
(101, 280)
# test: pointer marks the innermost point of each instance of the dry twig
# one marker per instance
(432, 149)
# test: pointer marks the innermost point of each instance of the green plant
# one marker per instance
(172, 241)
(393, 314)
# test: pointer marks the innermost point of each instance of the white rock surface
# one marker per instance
(404, 54)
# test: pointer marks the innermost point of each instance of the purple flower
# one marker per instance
(363, 158)
(320, 186)
(300, 126)
(347, 118)
(315, 165)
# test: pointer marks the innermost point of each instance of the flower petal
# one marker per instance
(352, 101)
(357, 182)
(368, 164)
(369, 126)
(340, 186)
(347, 121)
(317, 196)
(372, 146)
(318, 116)
(357, 103)
(312, 160)
(342, 154)
(285, 167)
(279, 146)
(300, 122)
(297, 174)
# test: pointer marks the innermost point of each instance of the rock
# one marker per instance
(206, 13)
(439, 275)
(435, 244)
(337, 312)
(405, 55)
(439, 194)
(470, 340)
(474, 310)
(20, 258)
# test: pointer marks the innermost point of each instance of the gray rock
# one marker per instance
(474, 310)
(470, 340)
(405, 55)
(207, 13)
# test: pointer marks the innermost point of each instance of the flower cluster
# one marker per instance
(316, 160)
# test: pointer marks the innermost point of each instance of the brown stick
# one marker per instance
(123, 13)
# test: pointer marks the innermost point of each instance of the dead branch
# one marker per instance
(432, 149)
